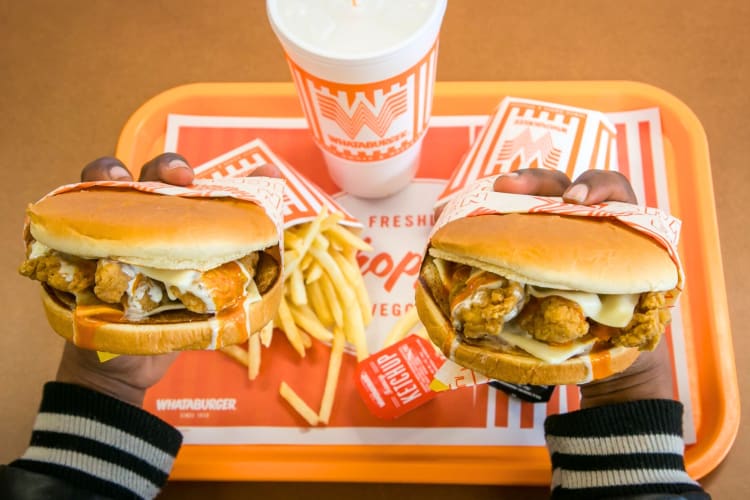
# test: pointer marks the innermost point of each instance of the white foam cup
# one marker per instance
(364, 71)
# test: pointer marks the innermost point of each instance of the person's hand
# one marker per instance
(167, 167)
(590, 188)
(650, 376)
(124, 377)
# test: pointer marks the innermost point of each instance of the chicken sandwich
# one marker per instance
(131, 272)
(544, 299)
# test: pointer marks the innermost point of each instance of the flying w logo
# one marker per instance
(524, 146)
(362, 115)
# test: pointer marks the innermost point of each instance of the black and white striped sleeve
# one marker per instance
(100, 444)
(620, 450)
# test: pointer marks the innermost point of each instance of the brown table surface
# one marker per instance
(72, 72)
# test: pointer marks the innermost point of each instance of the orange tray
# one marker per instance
(713, 382)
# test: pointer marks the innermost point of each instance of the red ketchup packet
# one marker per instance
(397, 379)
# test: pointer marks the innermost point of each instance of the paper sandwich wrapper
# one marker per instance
(303, 199)
(480, 198)
(526, 133)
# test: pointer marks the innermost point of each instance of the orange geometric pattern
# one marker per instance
(525, 147)
(364, 113)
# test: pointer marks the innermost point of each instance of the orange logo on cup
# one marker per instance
(364, 113)
(371, 121)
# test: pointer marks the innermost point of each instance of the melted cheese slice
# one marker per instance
(617, 310)
(610, 310)
(552, 354)
(38, 250)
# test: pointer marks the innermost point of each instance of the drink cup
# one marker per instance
(364, 71)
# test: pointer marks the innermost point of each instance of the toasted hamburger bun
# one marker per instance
(169, 237)
(555, 252)
(163, 232)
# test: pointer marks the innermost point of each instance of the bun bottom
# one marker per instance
(517, 367)
(160, 338)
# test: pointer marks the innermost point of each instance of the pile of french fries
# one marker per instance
(324, 299)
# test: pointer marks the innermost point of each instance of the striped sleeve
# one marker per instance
(633, 448)
(100, 443)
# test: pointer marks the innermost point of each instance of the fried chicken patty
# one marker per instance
(553, 319)
(649, 321)
(118, 283)
(63, 272)
(225, 284)
(480, 303)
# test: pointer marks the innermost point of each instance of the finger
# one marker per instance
(267, 170)
(106, 168)
(535, 181)
(168, 167)
(597, 186)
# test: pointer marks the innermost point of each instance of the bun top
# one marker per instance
(166, 232)
(564, 252)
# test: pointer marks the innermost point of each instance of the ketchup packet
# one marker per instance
(397, 379)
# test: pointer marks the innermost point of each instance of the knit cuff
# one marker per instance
(628, 448)
(100, 443)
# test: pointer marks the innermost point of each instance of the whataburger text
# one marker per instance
(196, 404)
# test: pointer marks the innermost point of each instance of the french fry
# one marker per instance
(266, 334)
(332, 376)
(314, 271)
(236, 352)
(332, 299)
(350, 254)
(306, 339)
(402, 327)
(321, 242)
(310, 231)
(305, 318)
(286, 322)
(318, 303)
(329, 266)
(296, 287)
(355, 329)
(353, 324)
(296, 402)
(253, 356)
(331, 221)
(354, 278)
(347, 238)
(290, 256)
(292, 239)
(305, 264)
